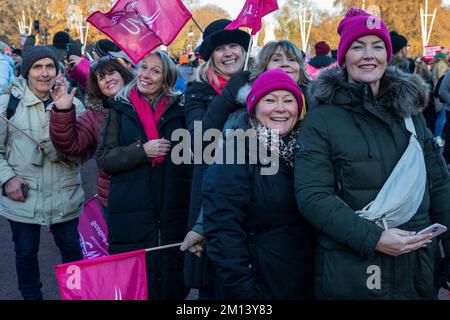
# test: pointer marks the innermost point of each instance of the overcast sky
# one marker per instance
(235, 6)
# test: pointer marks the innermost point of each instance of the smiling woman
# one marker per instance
(149, 194)
(209, 101)
(75, 136)
(251, 222)
(366, 136)
(366, 61)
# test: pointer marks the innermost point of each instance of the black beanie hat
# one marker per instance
(17, 51)
(33, 54)
(215, 35)
(398, 41)
(61, 39)
(103, 46)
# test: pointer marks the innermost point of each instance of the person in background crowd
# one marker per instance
(399, 44)
(209, 101)
(429, 113)
(79, 136)
(440, 68)
(365, 253)
(17, 56)
(400, 52)
(78, 68)
(444, 139)
(38, 189)
(321, 61)
(124, 60)
(149, 194)
(284, 55)
(185, 71)
(6, 69)
(258, 242)
(446, 52)
(60, 41)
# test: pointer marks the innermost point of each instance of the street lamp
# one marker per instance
(190, 35)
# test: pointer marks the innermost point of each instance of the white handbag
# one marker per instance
(402, 193)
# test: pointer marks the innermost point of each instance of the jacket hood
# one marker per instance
(406, 93)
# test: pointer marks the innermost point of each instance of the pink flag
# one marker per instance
(93, 231)
(252, 14)
(139, 26)
(117, 277)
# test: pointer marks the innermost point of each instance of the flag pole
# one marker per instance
(198, 26)
(29, 137)
(164, 247)
(250, 43)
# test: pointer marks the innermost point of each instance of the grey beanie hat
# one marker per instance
(33, 54)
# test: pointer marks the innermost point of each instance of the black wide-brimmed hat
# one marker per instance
(215, 35)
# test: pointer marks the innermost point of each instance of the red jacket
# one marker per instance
(79, 136)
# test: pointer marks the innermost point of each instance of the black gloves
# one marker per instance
(233, 86)
(442, 274)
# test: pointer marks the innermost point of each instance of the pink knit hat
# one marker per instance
(273, 80)
(356, 24)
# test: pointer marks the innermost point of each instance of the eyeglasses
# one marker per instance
(104, 59)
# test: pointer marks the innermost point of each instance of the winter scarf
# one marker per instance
(149, 120)
(287, 146)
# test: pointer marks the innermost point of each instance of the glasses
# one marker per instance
(103, 59)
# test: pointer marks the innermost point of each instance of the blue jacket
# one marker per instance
(6, 72)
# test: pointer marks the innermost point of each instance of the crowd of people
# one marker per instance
(360, 135)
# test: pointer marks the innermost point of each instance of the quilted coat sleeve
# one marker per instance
(74, 135)
(315, 191)
(111, 156)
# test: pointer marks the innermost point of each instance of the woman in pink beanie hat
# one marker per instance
(255, 236)
(366, 122)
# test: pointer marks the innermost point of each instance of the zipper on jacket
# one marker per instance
(376, 105)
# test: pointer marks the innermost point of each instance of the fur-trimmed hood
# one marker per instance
(406, 93)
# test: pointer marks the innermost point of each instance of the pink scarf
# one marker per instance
(222, 82)
(149, 120)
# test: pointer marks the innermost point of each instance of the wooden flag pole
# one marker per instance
(29, 137)
(21, 131)
(198, 26)
(164, 247)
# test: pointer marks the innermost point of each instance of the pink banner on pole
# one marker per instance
(117, 277)
(93, 231)
(139, 26)
(252, 13)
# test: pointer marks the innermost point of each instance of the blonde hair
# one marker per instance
(291, 51)
(170, 75)
(208, 70)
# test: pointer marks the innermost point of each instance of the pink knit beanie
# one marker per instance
(356, 24)
(273, 80)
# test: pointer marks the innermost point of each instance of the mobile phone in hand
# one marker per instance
(435, 229)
